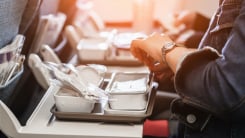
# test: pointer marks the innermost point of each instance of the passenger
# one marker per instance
(210, 79)
(190, 26)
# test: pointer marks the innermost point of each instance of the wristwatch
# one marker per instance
(167, 47)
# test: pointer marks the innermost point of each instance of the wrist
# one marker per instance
(166, 48)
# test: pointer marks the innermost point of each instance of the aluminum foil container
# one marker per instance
(93, 49)
(129, 91)
(67, 100)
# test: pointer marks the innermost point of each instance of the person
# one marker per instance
(189, 27)
(208, 79)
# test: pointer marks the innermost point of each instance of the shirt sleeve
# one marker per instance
(214, 82)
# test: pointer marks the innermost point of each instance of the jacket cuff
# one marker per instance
(189, 62)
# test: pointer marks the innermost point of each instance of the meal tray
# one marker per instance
(113, 62)
(108, 118)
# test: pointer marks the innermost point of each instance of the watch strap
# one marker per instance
(167, 47)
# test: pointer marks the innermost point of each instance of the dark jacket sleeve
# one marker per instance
(213, 82)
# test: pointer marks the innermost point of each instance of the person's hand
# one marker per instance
(183, 23)
(162, 72)
(184, 18)
(148, 51)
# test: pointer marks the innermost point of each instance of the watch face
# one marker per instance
(169, 45)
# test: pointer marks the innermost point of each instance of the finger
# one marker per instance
(163, 75)
(134, 48)
(154, 65)
(149, 60)
(137, 50)
(159, 67)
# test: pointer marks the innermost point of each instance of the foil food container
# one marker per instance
(129, 91)
(93, 49)
(67, 100)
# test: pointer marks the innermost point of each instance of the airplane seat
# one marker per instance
(9, 124)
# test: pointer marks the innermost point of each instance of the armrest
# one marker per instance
(168, 95)
(162, 104)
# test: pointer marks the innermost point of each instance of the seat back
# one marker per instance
(9, 124)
